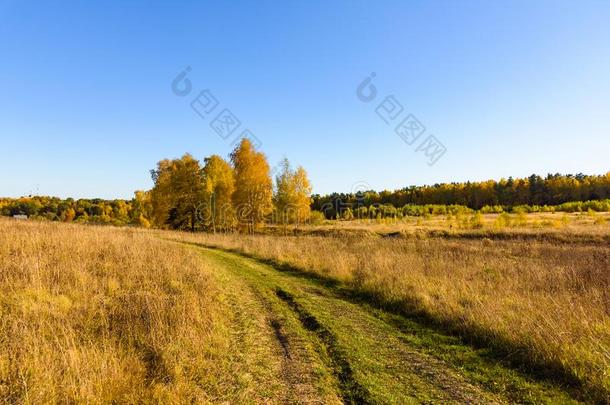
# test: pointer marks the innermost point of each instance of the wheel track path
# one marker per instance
(318, 347)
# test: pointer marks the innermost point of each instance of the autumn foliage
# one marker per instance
(223, 196)
(239, 194)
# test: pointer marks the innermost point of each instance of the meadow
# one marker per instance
(563, 225)
(537, 290)
(101, 314)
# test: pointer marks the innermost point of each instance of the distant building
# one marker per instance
(20, 217)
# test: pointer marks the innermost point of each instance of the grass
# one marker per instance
(567, 227)
(99, 314)
(545, 305)
(92, 314)
(380, 357)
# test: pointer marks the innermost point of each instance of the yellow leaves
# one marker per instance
(221, 194)
(219, 183)
(292, 195)
(252, 199)
(70, 214)
(177, 192)
(143, 222)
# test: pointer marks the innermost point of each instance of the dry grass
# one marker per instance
(546, 303)
(586, 225)
(100, 314)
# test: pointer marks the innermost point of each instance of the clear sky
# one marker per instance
(508, 87)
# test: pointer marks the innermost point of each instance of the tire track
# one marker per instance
(352, 392)
(368, 358)
(291, 360)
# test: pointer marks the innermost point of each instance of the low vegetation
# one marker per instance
(542, 303)
(100, 314)
(127, 315)
(367, 355)
(580, 227)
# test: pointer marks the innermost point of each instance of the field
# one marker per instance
(341, 312)
(566, 226)
(536, 289)
(94, 314)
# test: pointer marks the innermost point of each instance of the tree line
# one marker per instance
(239, 194)
(490, 196)
(115, 212)
(216, 195)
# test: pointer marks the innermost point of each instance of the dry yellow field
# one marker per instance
(100, 314)
(94, 314)
(542, 300)
(569, 226)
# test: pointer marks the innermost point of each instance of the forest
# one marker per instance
(556, 192)
(239, 193)
(188, 195)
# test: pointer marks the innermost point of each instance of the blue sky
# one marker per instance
(508, 87)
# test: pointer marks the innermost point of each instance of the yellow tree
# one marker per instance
(142, 208)
(282, 196)
(69, 215)
(177, 193)
(160, 196)
(252, 198)
(292, 197)
(219, 184)
(302, 198)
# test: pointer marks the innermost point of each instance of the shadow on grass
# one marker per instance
(408, 316)
(352, 392)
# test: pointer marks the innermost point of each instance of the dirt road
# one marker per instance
(300, 339)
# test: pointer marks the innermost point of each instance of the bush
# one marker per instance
(317, 218)
(503, 220)
(492, 209)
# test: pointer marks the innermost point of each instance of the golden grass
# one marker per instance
(581, 225)
(545, 302)
(100, 314)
